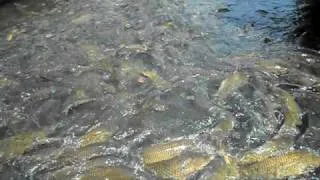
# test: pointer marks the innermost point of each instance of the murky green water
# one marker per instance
(87, 84)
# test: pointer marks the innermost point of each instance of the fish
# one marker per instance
(82, 19)
(157, 80)
(230, 84)
(180, 167)
(228, 170)
(18, 144)
(76, 104)
(292, 114)
(165, 151)
(270, 148)
(292, 163)
(110, 173)
(226, 124)
(96, 136)
(272, 67)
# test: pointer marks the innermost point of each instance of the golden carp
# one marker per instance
(179, 167)
(165, 151)
(292, 114)
(110, 173)
(96, 136)
(231, 83)
(290, 164)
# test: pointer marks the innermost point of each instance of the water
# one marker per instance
(146, 71)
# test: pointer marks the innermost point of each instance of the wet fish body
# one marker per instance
(230, 84)
(290, 164)
(179, 167)
(165, 151)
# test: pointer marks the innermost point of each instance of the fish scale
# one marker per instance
(290, 164)
(103, 173)
(165, 151)
(180, 167)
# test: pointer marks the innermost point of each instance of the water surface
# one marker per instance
(146, 71)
